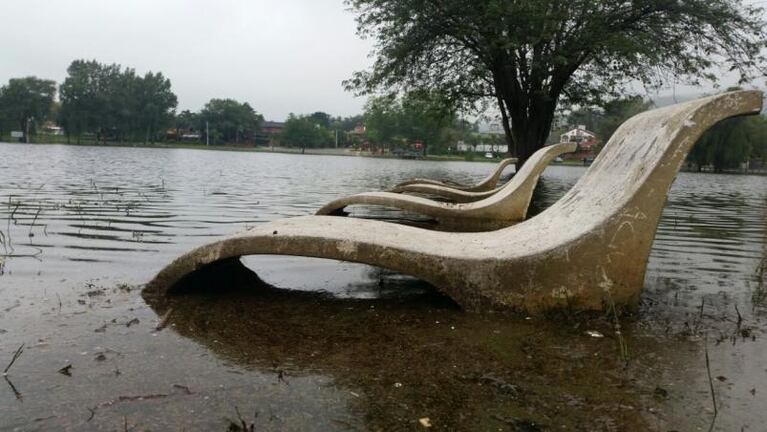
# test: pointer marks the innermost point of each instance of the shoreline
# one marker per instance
(257, 149)
(339, 152)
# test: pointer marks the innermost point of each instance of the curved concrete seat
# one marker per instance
(456, 194)
(488, 183)
(506, 206)
(586, 251)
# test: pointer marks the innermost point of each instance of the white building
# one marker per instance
(482, 148)
(578, 135)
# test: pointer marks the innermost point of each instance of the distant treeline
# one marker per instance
(107, 102)
(101, 102)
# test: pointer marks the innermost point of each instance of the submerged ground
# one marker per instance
(360, 348)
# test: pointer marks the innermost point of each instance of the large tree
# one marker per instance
(231, 121)
(526, 56)
(26, 102)
(730, 143)
(304, 131)
(414, 116)
(115, 102)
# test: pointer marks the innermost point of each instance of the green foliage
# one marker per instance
(25, 100)
(230, 121)
(187, 120)
(321, 118)
(422, 116)
(730, 143)
(304, 131)
(527, 56)
(115, 103)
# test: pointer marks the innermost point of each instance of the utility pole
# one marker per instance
(26, 131)
(336, 138)
(207, 134)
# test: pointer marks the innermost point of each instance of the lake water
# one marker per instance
(84, 227)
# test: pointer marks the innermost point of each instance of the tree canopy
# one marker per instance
(306, 131)
(528, 56)
(25, 100)
(423, 116)
(230, 121)
(115, 102)
(730, 143)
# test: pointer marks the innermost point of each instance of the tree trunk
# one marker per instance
(530, 126)
(506, 127)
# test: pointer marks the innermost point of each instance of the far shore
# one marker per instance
(265, 149)
(336, 152)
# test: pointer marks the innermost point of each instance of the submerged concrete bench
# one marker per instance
(500, 208)
(586, 251)
(488, 183)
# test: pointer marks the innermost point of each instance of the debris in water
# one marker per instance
(660, 393)
(164, 320)
(132, 322)
(425, 422)
(183, 387)
(594, 334)
(66, 370)
(15, 357)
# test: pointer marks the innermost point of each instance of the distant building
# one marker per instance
(359, 130)
(482, 148)
(585, 139)
(183, 134)
(270, 132)
(272, 127)
(52, 128)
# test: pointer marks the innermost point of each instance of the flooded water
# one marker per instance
(358, 348)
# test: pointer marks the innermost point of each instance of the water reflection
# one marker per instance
(405, 360)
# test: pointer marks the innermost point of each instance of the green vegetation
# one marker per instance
(422, 117)
(115, 103)
(228, 121)
(25, 103)
(527, 57)
(320, 129)
(731, 143)
(305, 131)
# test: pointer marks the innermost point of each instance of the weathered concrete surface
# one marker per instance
(587, 251)
(488, 183)
(501, 209)
(458, 195)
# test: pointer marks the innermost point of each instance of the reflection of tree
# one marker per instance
(407, 358)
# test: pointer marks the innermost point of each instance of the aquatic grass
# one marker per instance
(622, 344)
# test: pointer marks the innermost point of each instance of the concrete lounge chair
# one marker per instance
(503, 208)
(452, 193)
(589, 250)
(489, 182)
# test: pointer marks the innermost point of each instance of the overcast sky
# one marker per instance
(281, 56)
